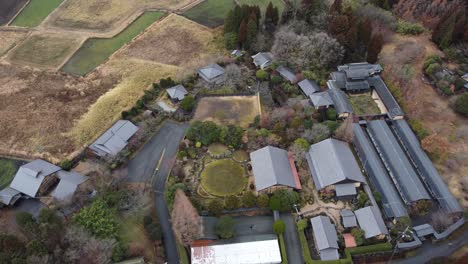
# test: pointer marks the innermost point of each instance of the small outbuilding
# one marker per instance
(348, 218)
(177, 93)
(325, 238)
(262, 60)
(321, 100)
(114, 139)
(370, 220)
(287, 74)
(212, 73)
(237, 53)
(9, 196)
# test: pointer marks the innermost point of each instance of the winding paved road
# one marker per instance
(162, 147)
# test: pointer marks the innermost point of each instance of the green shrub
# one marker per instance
(284, 256)
(408, 28)
(302, 224)
(331, 114)
(305, 247)
(302, 143)
(283, 200)
(279, 227)
(169, 194)
(66, 164)
(332, 125)
(232, 202)
(276, 79)
(461, 104)
(230, 40)
(119, 252)
(187, 103)
(225, 227)
(262, 200)
(418, 128)
(432, 69)
(215, 207)
(249, 199)
(358, 235)
(262, 75)
(98, 219)
(432, 59)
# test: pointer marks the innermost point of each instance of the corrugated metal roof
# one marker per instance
(386, 96)
(29, 177)
(321, 99)
(177, 92)
(349, 219)
(325, 236)
(287, 73)
(211, 72)
(371, 221)
(405, 177)
(114, 139)
(340, 101)
(262, 58)
(9, 195)
(345, 189)
(270, 166)
(331, 161)
(254, 252)
(424, 165)
(69, 181)
(379, 178)
(309, 87)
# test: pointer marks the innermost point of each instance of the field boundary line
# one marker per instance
(17, 13)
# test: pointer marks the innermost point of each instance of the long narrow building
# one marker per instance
(401, 171)
(426, 169)
(379, 178)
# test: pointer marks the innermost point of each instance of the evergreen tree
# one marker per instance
(271, 18)
(242, 32)
(237, 16)
(251, 32)
(230, 23)
(375, 46)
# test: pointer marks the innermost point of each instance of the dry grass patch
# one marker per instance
(236, 110)
(49, 50)
(10, 39)
(104, 15)
(183, 41)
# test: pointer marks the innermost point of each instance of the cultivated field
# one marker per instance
(35, 12)
(236, 110)
(223, 177)
(97, 50)
(45, 50)
(10, 39)
(363, 105)
(105, 15)
(210, 13)
(8, 9)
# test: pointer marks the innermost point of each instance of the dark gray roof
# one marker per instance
(69, 182)
(325, 237)
(339, 79)
(331, 161)
(271, 167)
(429, 174)
(349, 219)
(379, 178)
(262, 58)
(386, 96)
(321, 99)
(355, 86)
(345, 189)
(114, 139)
(212, 73)
(371, 221)
(309, 87)
(177, 92)
(9, 196)
(424, 230)
(360, 70)
(340, 101)
(287, 73)
(29, 177)
(400, 168)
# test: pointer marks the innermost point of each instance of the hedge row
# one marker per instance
(284, 257)
(305, 248)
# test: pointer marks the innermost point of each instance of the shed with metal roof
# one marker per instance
(370, 220)
(326, 240)
(30, 176)
(114, 139)
(212, 73)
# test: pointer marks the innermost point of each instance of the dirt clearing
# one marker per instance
(10, 39)
(403, 59)
(45, 50)
(235, 110)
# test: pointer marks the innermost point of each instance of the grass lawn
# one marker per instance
(223, 177)
(263, 4)
(217, 149)
(35, 12)
(364, 105)
(7, 172)
(240, 155)
(95, 51)
(210, 13)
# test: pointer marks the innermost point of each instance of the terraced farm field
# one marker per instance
(35, 12)
(210, 13)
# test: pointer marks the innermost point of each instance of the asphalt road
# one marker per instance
(291, 239)
(253, 225)
(142, 166)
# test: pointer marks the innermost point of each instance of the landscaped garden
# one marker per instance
(210, 13)
(223, 177)
(97, 50)
(364, 105)
(35, 12)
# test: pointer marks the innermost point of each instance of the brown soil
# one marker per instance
(424, 103)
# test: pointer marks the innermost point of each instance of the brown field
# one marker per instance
(104, 15)
(45, 50)
(10, 39)
(236, 110)
(423, 103)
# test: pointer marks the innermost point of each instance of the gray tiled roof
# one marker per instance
(29, 177)
(331, 161)
(325, 237)
(287, 73)
(9, 195)
(355, 86)
(339, 79)
(340, 101)
(211, 73)
(360, 70)
(379, 178)
(177, 92)
(309, 87)
(405, 177)
(371, 221)
(69, 181)
(321, 99)
(262, 58)
(349, 219)
(345, 189)
(386, 96)
(425, 167)
(271, 167)
(114, 139)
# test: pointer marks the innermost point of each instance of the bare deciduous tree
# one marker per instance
(440, 221)
(185, 218)
(234, 75)
(85, 248)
